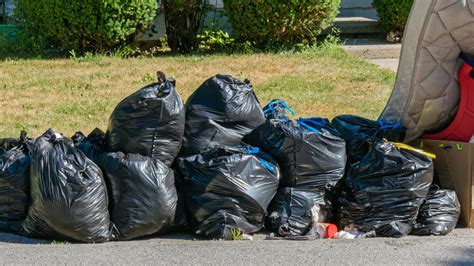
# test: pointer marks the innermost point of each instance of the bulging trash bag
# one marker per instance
(384, 191)
(149, 122)
(227, 189)
(143, 192)
(276, 109)
(309, 152)
(360, 133)
(220, 112)
(14, 182)
(7, 144)
(22, 143)
(311, 157)
(293, 211)
(439, 214)
(68, 193)
(180, 220)
(92, 145)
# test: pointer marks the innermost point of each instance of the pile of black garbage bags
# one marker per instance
(221, 167)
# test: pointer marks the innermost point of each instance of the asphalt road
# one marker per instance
(454, 249)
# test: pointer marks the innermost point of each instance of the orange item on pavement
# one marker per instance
(331, 230)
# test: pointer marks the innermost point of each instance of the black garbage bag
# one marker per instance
(293, 211)
(276, 109)
(143, 192)
(149, 122)
(23, 142)
(439, 214)
(7, 144)
(384, 191)
(360, 133)
(68, 193)
(92, 145)
(15, 164)
(220, 112)
(228, 188)
(180, 221)
(309, 152)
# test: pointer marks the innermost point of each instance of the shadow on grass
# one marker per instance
(52, 54)
(91, 56)
(47, 55)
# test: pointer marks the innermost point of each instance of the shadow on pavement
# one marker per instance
(466, 254)
(16, 239)
(9, 238)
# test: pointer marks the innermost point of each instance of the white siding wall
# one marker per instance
(217, 3)
(9, 7)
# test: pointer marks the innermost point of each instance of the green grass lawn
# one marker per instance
(70, 95)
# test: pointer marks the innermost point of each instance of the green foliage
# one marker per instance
(331, 40)
(7, 38)
(59, 242)
(216, 41)
(19, 42)
(236, 234)
(87, 25)
(184, 20)
(267, 23)
(86, 57)
(393, 13)
(221, 42)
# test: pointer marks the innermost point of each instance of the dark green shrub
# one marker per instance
(283, 23)
(20, 43)
(184, 20)
(393, 13)
(97, 25)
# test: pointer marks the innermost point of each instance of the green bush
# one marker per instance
(16, 43)
(184, 20)
(87, 25)
(216, 41)
(267, 23)
(393, 13)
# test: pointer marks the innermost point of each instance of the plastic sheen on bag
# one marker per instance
(144, 196)
(92, 145)
(228, 188)
(384, 191)
(14, 182)
(7, 144)
(68, 193)
(439, 214)
(309, 152)
(311, 157)
(276, 109)
(220, 112)
(149, 122)
(293, 212)
(360, 133)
